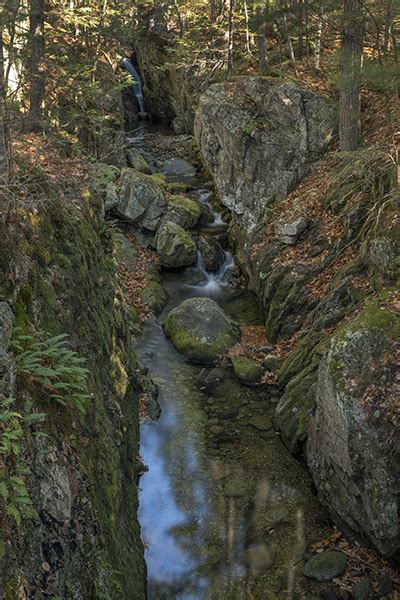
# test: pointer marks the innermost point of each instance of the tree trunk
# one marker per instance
(261, 43)
(5, 161)
(230, 37)
(350, 85)
(35, 64)
(318, 40)
(246, 15)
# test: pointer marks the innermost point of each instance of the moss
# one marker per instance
(246, 370)
(178, 187)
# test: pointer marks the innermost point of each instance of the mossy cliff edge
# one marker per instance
(59, 276)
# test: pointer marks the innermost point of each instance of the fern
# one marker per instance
(51, 364)
(14, 495)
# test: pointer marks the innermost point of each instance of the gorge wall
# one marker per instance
(83, 540)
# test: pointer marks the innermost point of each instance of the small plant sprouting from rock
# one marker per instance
(52, 365)
(14, 495)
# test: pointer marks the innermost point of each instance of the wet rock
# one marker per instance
(326, 566)
(141, 201)
(277, 515)
(289, 233)
(246, 370)
(178, 167)
(216, 429)
(235, 487)
(272, 363)
(175, 246)
(261, 422)
(210, 379)
(259, 557)
(363, 590)
(200, 330)
(183, 211)
(212, 253)
(137, 161)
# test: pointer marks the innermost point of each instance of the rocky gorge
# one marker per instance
(233, 281)
(332, 296)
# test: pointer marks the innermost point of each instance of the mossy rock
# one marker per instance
(295, 408)
(178, 187)
(200, 330)
(272, 363)
(246, 369)
(137, 161)
(175, 246)
(326, 566)
(154, 295)
(183, 211)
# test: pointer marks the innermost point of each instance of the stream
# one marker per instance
(225, 510)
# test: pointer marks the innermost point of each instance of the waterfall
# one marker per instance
(213, 281)
(137, 84)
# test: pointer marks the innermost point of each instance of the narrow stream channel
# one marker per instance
(225, 510)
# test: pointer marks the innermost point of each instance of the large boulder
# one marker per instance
(352, 451)
(259, 138)
(200, 330)
(140, 200)
(175, 246)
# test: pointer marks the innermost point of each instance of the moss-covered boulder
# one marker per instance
(183, 211)
(141, 200)
(137, 161)
(175, 246)
(200, 330)
(272, 362)
(246, 369)
(178, 187)
(350, 445)
(154, 294)
(326, 566)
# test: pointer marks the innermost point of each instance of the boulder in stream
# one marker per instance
(175, 246)
(246, 369)
(212, 253)
(141, 200)
(201, 330)
(326, 566)
(183, 211)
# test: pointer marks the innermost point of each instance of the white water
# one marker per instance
(202, 197)
(137, 83)
(213, 282)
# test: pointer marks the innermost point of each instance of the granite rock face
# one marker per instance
(259, 139)
(350, 450)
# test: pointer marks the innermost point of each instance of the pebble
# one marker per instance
(216, 429)
(363, 590)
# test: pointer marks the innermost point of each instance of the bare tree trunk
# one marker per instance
(389, 17)
(35, 64)
(261, 43)
(5, 160)
(318, 39)
(246, 16)
(289, 41)
(230, 37)
(350, 85)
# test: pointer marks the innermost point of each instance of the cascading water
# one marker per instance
(212, 282)
(203, 199)
(137, 84)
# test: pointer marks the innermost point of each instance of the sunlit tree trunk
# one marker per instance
(350, 85)
(318, 39)
(261, 41)
(5, 160)
(230, 37)
(35, 65)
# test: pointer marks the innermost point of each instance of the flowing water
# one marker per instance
(137, 83)
(225, 510)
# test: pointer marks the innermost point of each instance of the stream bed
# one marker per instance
(226, 512)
